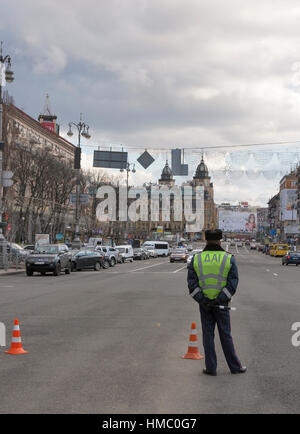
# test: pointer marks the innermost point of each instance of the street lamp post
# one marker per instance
(6, 76)
(83, 130)
(128, 170)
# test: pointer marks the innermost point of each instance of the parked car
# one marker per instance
(89, 259)
(113, 254)
(139, 254)
(252, 246)
(126, 252)
(30, 247)
(179, 255)
(51, 257)
(291, 257)
(17, 251)
(239, 244)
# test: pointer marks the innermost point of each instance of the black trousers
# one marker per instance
(209, 319)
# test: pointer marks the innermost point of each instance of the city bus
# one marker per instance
(162, 247)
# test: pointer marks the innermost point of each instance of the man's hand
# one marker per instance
(206, 303)
(222, 299)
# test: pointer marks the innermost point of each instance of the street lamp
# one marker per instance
(83, 130)
(128, 165)
(6, 76)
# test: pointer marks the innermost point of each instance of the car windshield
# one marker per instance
(46, 249)
(179, 251)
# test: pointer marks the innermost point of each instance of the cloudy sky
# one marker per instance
(160, 74)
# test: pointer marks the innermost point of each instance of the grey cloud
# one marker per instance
(160, 73)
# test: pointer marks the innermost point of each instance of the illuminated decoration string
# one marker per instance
(198, 148)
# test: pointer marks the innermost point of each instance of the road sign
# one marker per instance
(83, 198)
(110, 159)
(6, 178)
(178, 169)
(145, 160)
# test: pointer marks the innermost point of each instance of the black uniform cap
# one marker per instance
(215, 234)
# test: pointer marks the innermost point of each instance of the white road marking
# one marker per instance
(275, 274)
(149, 266)
(176, 271)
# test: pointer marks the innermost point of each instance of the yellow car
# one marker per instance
(279, 249)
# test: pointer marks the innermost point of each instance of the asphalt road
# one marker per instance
(112, 341)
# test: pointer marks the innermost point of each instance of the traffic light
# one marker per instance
(77, 158)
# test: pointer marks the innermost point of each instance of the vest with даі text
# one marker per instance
(212, 268)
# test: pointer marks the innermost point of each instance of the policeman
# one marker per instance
(212, 281)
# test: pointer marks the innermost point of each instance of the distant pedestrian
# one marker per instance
(212, 281)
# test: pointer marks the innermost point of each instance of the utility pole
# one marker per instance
(6, 76)
(83, 130)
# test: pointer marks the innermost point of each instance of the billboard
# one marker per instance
(110, 159)
(237, 221)
(288, 204)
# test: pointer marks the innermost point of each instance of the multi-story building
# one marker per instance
(263, 223)
(288, 206)
(157, 225)
(27, 212)
(274, 217)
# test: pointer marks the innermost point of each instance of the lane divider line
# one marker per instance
(149, 266)
(176, 271)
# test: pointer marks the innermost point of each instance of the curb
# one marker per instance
(11, 273)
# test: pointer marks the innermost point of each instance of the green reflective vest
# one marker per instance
(212, 269)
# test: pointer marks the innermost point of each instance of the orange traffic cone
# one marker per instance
(16, 342)
(193, 352)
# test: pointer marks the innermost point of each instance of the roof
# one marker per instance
(44, 130)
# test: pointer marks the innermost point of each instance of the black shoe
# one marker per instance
(242, 370)
(205, 371)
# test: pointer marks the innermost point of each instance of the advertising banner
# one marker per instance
(42, 239)
(288, 204)
(237, 221)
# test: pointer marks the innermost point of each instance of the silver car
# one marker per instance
(191, 255)
(152, 251)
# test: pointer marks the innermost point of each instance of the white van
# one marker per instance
(162, 247)
(126, 252)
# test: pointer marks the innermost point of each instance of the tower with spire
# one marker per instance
(47, 118)
(167, 176)
(202, 178)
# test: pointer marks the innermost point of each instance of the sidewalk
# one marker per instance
(11, 271)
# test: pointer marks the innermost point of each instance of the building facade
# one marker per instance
(33, 204)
